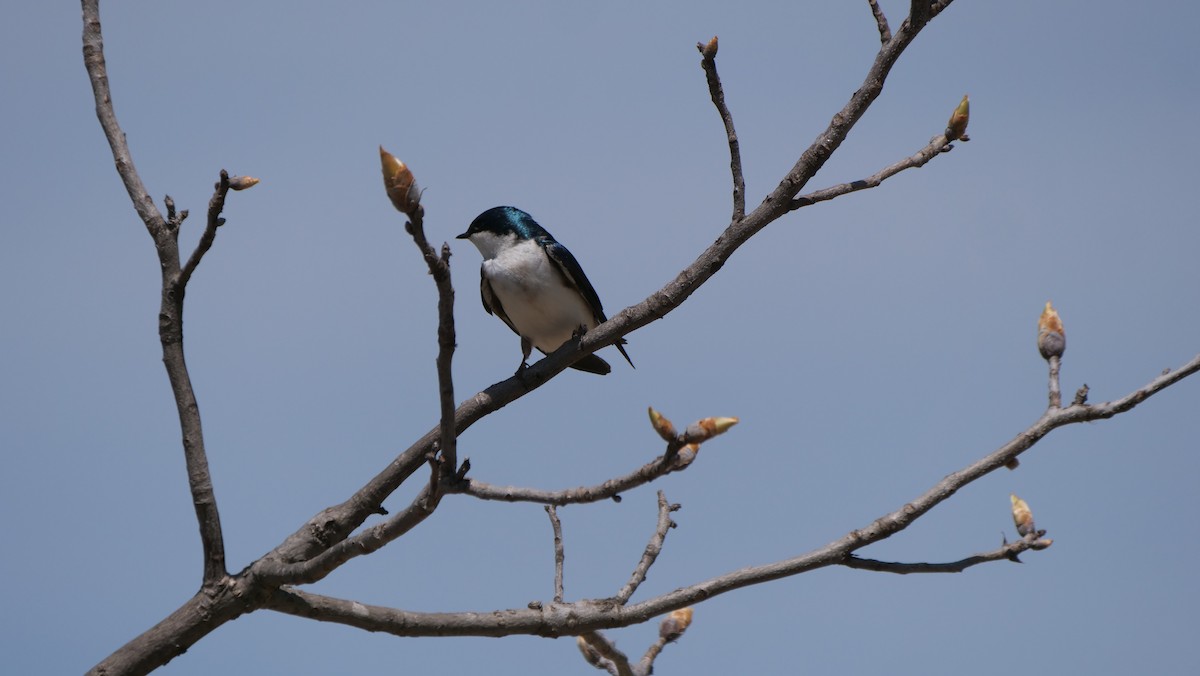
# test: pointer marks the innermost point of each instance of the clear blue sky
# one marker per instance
(870, 345)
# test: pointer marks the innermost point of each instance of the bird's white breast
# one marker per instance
(536, 297)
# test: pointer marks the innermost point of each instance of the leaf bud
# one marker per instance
(1022, 516)
(685, 456)
(400, 183)
(1052, 339)
(674, 624)
(707, 428)
(956, 128)
(242, 182)
(664, 427)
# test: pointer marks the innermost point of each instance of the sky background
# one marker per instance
(871, 345)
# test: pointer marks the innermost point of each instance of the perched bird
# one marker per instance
(535, 285)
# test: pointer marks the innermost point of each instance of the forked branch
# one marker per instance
(584, 616)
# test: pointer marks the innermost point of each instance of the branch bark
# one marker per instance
(708, 62)
(327, 540)
(170, 317)
(653, 549)
(885, 32)
(590, 615)
(559, 554)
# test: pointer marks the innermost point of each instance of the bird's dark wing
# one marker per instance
(590, 363)
(569, 267)
(491, 303)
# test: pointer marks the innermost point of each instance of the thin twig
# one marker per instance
(885, 33)
(93, 60)
(611, 488)
(653, 548)
(936, 146)
(1007, 552)
(646, 664)
(559, 555)
(1055, 394)
(717, 92)
(439, 268)
(216, 204)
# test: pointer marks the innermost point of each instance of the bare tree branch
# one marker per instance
(1055, 395)
(336, 523)
(1008, 551)
(885, 33)
(439, 267)
(611, 488)
(216, 204)
(270, 571)
(583, 616)
(93, 60)
(920, 13)
(936, 146)
(171, 310)
(717, 92)
(328, 539)
(777, 203)
(653, 548)
(559, 555)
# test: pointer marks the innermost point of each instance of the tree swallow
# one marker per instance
(535, 285)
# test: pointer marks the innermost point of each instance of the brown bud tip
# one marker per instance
(1052, 339)
(956, 128)
(399, 183)
(664, 427)
(675, 624)
(1022, 516)
(709, 50)
(242, 182)
(1042, 544)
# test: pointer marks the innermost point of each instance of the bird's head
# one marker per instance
(499, 227)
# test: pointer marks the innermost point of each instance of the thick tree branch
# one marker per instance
(211, 607)
(270, 571)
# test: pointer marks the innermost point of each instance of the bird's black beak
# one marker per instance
(462, 236)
